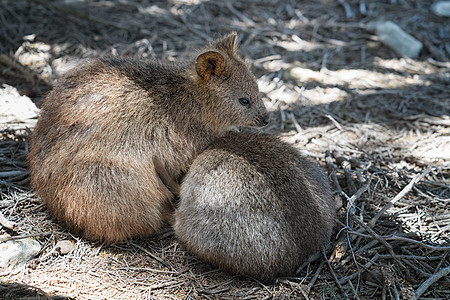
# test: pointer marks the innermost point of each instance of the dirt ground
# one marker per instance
(378, 123)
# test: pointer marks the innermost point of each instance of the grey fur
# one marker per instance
(253, 205)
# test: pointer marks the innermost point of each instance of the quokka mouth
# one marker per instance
(260, 122)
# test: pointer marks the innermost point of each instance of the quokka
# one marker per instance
(254, 205)
(91, 150)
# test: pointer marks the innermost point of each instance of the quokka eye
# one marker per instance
(244, 101)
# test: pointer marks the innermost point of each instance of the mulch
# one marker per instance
(376, 122)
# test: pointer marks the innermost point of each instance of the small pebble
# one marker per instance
(65, 246)
(396, 38)
(441, 8)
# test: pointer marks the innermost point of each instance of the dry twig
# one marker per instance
(6, 223)
(333, 274)
(399, 196)
(433, 278)
(152, 255)
(379, 238)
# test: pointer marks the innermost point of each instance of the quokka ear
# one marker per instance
(210, 63)
(227, 43)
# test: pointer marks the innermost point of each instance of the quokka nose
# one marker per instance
(265, 120)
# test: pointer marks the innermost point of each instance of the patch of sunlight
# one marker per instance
(433, 148)
(353, 78)
(432, 145)
(278, 92)
(319, 95)
(33, 54)
(404, 65)
(298, 45)
(15, 108)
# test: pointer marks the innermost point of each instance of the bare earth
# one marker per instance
(378, 123)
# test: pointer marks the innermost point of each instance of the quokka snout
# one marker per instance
(91, 150)
(253, 205)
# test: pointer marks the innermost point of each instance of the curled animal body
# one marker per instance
(254, 205)
(91, 150)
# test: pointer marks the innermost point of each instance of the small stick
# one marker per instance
(330, 268)
(397, 295)
(401, 238)
(405, 239)
(357, 274)
(147, 270)
(12, 173)
(19, 237)
(400, 195)
(354, 290)
(166, 264)
(333, 120)
(351, 207)
(344, 242)
(162, 285)
(324, 66)
(332, 171)
(427, 283)
(359, 192)
(348, 10)
(297, 126)
(414, 257)
(303, 292)
(282, 116)
(6, 223)
(297, 286)
(316, 275)
(440, 263)
(417, 269)
(383, 291)
(379, 238)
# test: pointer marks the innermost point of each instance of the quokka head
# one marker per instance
(220, 68)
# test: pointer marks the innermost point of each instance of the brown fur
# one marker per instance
(253, 205)
(91, 151)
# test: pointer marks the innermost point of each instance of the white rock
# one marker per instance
(441, 8)
(394, 37)
(14, 107)
(15, 253)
